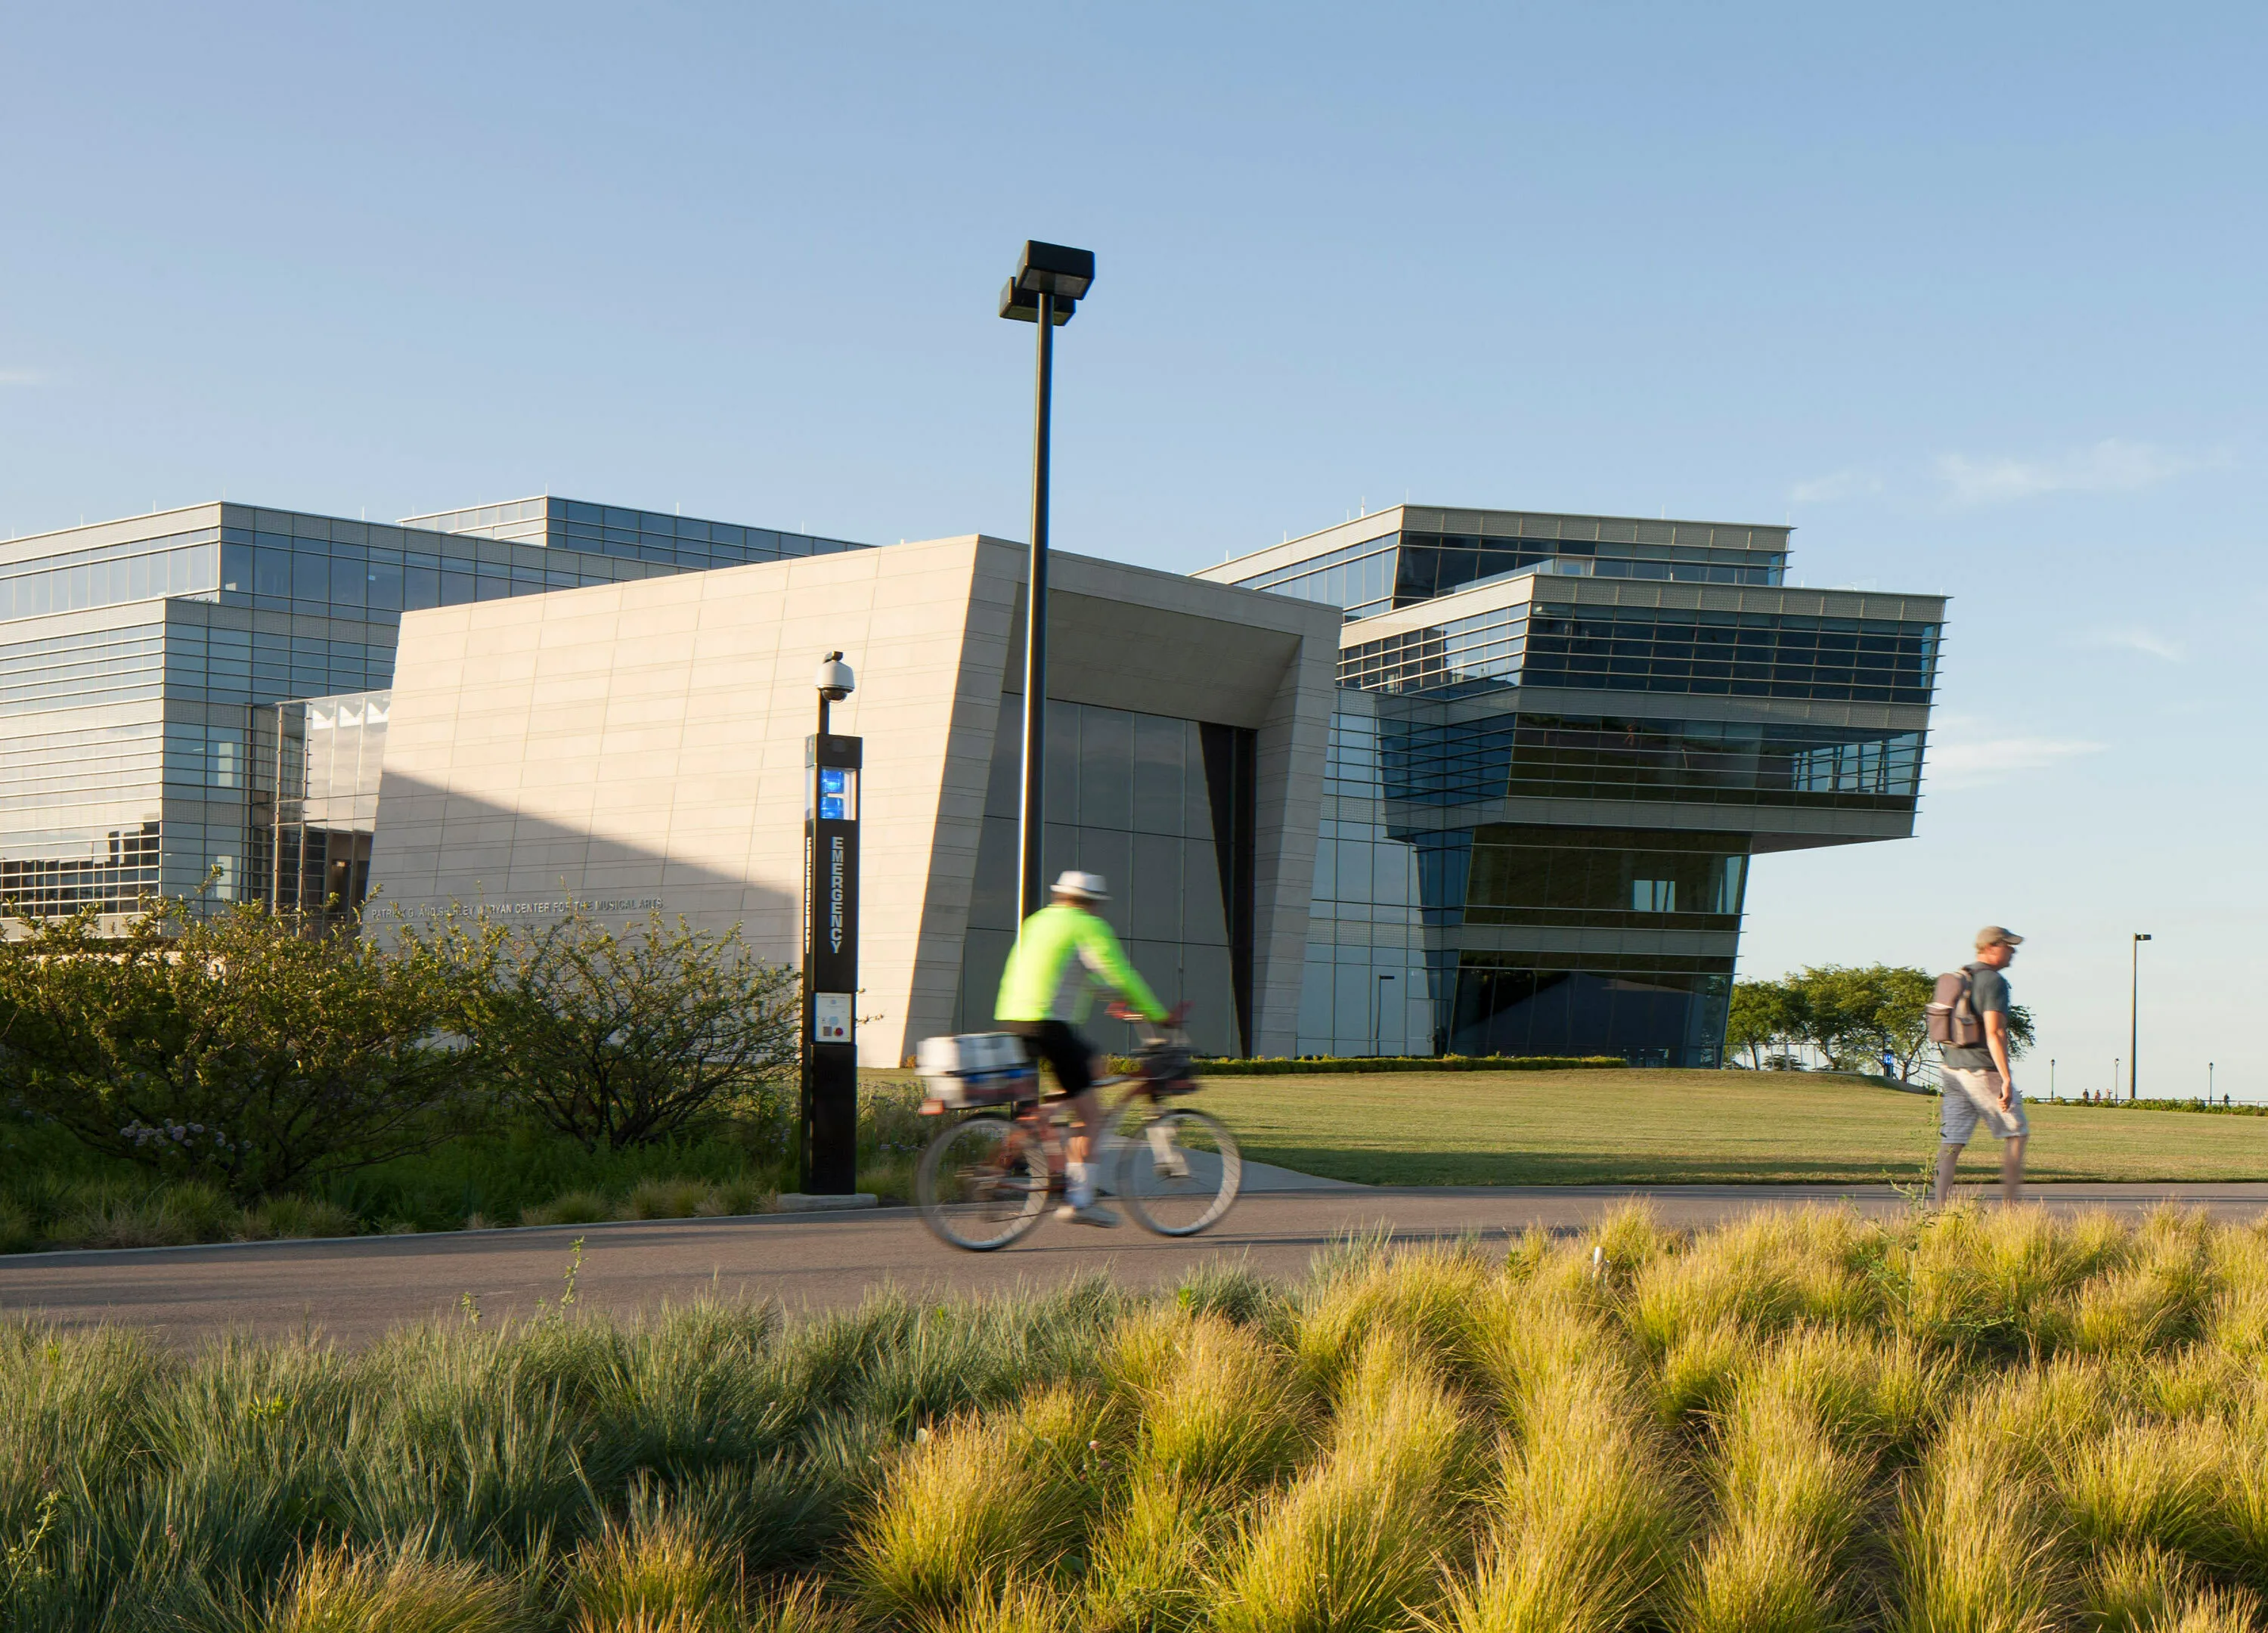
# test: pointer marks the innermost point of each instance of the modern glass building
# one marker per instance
(1555, 748)
(1558, 745)
(141, 661)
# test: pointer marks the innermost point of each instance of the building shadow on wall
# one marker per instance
(435, 849)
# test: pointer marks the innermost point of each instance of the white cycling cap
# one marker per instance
(1088, 886)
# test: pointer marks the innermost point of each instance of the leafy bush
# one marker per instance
(234, 1048)
(618, 1039)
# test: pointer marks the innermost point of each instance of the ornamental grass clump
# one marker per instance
(1790, 1503)
(1358, 1543)
(1217, 1406)
(2003, 1283)
(978, 1503)
(1218, 1418)
(1590, 1517)
(332, 1591)
(1979, 1536)
(1761, 1275)
(1971, 1423)
(1428, 1300)
(656, 1570)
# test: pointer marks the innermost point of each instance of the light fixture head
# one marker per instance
(1055, 269)
(1025, 308)
(834, 680)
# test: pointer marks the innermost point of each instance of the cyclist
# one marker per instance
(1063, 950)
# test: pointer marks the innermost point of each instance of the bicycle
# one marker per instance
(984, 1181)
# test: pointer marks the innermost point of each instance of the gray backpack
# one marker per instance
(1951, 1018)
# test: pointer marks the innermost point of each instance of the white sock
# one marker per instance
(1082, 1185)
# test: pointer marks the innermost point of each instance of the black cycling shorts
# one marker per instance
(1054, 1041)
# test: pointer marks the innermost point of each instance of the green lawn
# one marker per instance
(1672, 1127)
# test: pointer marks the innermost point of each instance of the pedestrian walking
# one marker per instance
(1970, 1020)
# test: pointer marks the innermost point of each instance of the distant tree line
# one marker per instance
(1849, 1018)
(255, 1050)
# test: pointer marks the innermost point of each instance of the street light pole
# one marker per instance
(1032, 816)
(2134, 1024)
(1050, 281)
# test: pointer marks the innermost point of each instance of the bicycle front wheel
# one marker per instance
(981, 1183)
(1180, 1172)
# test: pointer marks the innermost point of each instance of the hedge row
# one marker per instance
(2234, 1109)
(1306, 1065)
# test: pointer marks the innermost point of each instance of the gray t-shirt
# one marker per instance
(1988, 990)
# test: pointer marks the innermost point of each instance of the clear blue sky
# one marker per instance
(1971, 294)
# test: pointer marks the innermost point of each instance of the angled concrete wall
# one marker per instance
(641, 745)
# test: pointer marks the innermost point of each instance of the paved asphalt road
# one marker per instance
(355, 1289)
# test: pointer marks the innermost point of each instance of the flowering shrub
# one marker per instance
(234, 1049)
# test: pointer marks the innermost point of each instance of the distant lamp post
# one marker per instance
(1050, 281)
(2052, 1093)
(1377, 1014)
(2134, 1024)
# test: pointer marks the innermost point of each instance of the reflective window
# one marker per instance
(1405, 570)
(37, 588)
(1641, 648)
(1651, 1010)
(1137, 798)
(1605, 877)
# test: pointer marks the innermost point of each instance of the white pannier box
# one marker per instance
(976, 1069)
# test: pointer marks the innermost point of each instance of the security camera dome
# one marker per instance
(834, 681)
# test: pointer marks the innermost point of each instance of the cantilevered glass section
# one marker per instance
(1645, 649)
(1541, 797)
(1400, 558)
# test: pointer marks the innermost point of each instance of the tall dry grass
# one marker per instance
(1358, 1543)
(2006, 1421)
(1590, 1514)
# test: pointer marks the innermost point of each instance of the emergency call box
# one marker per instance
(830, 1017)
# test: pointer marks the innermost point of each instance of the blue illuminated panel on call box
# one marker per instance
(835, 794)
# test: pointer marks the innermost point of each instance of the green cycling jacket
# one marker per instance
(1063, 952)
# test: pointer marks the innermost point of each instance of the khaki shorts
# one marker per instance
(1971, 1096)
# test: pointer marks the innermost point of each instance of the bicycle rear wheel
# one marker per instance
(981, 1183)
(1180, 1172)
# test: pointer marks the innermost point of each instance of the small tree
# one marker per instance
(233, 1049)
(1857, 1015)
(622, 1039)
(1762, 1015)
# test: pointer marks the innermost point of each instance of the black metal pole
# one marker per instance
(2134, 1026)
(1028, 899)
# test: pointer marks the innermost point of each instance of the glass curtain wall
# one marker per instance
(1653, 1009)
(1636, 649)
(1404, 911)
(139, 759)
(1160, 807)
(1403, 569)
(327, 754)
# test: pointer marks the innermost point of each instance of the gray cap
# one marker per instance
(1998, 935)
